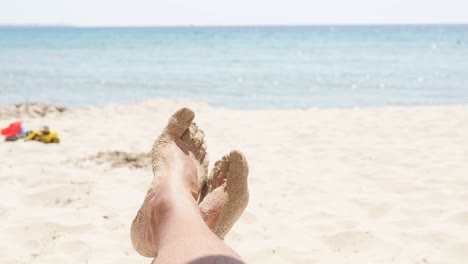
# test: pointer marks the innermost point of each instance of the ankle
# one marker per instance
(181, 179)
(168, 200)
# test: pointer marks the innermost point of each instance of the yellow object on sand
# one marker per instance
(51, 137)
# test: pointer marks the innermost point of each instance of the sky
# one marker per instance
(232, 12)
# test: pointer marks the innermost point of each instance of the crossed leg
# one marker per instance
(169, 224)
(179, 233)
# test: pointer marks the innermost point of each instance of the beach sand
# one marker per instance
(371, 185)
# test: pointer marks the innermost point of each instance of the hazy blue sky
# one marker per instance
(219, 12)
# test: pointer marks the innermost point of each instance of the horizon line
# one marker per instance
(228, 25)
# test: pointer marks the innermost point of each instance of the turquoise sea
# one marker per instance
(237, 67)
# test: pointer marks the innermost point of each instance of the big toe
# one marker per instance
(179, 122)
(238, 165)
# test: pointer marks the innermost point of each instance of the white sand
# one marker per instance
(377, 185)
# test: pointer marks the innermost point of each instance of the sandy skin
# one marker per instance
(227, 195)
(181, 150)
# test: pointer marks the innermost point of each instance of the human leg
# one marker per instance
(169, 223)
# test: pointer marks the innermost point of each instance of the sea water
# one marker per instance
(237, 67)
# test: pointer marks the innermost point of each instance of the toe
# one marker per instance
(238, 157)
(197, 139)
(179, 122)
(186, 138)
(200, 134)
(203, 147)
(205, 160)
(219, 172)
(189, 133)
(238, 170)
(201, 156)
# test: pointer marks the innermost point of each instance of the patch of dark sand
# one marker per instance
(32, 110)
(117, 159)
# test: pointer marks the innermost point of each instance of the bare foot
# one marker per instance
(179, 167)
(226, 194)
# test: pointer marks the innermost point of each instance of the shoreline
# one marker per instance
(41, 106)
(189, 26)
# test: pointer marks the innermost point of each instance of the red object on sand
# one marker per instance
(12, 129)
